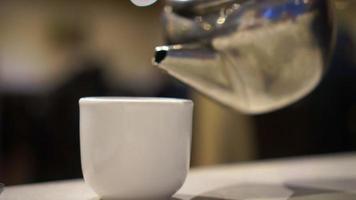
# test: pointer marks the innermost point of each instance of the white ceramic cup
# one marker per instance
(135, 148)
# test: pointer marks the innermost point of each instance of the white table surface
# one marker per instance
(331, 177)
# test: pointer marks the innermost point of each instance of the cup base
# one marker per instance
(120, 198)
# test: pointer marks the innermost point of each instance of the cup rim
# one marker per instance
(112, 99)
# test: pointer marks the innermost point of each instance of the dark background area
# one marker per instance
(39, 131)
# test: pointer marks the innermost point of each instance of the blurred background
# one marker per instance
(54, 52)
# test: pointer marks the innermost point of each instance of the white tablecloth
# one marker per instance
(331, 177)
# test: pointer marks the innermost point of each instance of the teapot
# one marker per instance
(254, 56)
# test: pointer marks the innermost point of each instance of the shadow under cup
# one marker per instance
(135, 148)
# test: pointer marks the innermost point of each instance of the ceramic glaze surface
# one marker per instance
(135, 148)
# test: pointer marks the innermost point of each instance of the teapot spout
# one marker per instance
(201, 67)
(195, 65)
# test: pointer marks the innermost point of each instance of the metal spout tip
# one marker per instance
(160, 55)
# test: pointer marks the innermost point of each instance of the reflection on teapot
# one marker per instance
(254, 56)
